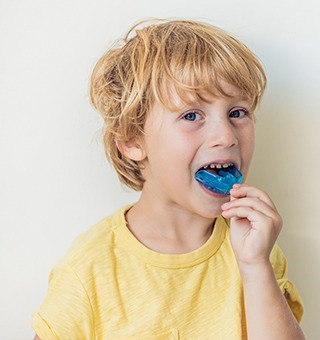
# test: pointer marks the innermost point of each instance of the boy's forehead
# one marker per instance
(178, 99)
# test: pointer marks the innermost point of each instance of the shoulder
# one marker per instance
(279, 262)
(280, 267)
(78, 281)
(97, 237)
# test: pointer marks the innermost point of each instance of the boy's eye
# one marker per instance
(238, 113)
(192, 116)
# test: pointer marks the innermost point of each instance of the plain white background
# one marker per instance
(54, 179)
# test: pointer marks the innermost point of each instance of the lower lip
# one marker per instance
(213, 194)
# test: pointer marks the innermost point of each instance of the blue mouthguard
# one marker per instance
(220, 183)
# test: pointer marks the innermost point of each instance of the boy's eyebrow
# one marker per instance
(183, 105)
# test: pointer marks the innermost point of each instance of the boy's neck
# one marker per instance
(167, 230)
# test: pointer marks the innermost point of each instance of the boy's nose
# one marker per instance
(222, 134)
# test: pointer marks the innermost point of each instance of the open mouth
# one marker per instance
(219, 178)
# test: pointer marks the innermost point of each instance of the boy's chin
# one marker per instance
(213, 211)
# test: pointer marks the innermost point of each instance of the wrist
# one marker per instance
(256, 271)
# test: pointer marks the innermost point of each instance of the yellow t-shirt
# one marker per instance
(110, 286)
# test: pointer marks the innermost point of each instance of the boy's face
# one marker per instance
(177, 144)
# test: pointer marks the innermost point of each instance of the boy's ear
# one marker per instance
(131, 149)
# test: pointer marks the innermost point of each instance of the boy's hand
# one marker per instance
(255, 224)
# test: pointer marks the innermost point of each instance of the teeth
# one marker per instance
(218, 166)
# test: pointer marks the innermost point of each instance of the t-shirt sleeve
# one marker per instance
(290, 291)
(66, 312)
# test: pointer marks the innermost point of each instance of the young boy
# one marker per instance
(183, 262)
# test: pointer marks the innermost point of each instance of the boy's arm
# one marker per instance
(254, 228)
(267, 311)
(36, 337)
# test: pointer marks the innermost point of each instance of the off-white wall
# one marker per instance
(54, 181)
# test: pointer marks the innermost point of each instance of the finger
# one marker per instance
(252, 202)
(252, 215)
(244, 190)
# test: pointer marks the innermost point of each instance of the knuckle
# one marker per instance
(279, 221)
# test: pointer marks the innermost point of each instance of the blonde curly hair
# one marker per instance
(190, 57)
